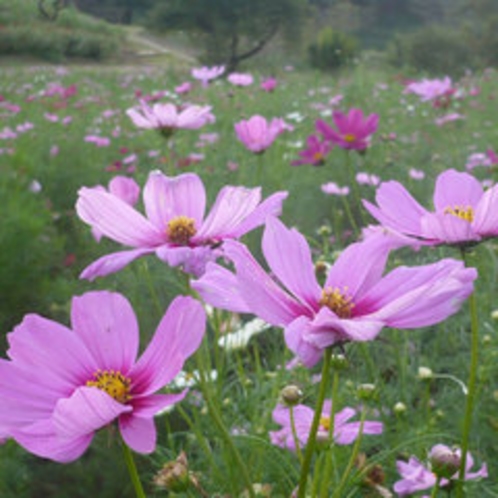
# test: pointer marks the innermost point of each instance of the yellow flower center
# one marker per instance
(318, 157)
(349, 137)
(115, 384)
(338, 302)
(180, 230)
(464, 213)
(325, 423)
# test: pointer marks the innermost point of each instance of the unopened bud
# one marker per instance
(338, 361)
(399, 408)
(366, 391)
(425, 373)
(445, 461)
(291, 395)
(174, 476)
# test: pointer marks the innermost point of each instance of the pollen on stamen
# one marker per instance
(338, 302)
(349, 137)
(180, 230)
(325, 423)
(464, 213)
(114, 383)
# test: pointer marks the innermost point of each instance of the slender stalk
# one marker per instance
(294, 435)
(353, 458)
(435, 489)
(132, 470)
(354, 185)
(471, 385)
(310, 447)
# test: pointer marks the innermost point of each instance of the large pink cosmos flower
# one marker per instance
(206, 74)
(417, 477)
(356, 301)
(257, 134)
(464, 213)
(169, 117)
(353, 131)
(174, 227)
(345, 432)
(59, 386)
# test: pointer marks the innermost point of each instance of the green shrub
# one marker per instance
(332, 49)
(434, 49)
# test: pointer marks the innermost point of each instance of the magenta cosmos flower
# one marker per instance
(353, 131)
(463, 212)
(206, 74)
(269, 84)
(356, 301)
(59, 386)
(169, 117)
(315, 153)
(257, 134)
(415, 476)
(345, 432)
(174, 227)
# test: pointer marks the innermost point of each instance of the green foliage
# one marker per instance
(332, 49)
(434, 49)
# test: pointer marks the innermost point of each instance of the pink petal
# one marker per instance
(112, 263)
(486, 214)
(447, 228)
(297, 341)
(231, 207)
(87, 410)
(150, 406)
(177, 337)
(454, 188)
(138, 433)
(116, 219)
(289, 258)
(41, 440)
(169, 197)
(106, 323)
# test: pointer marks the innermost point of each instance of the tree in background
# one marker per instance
(231, 31)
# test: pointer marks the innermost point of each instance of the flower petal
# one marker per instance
(138, 433)
(289, 258)
(169, 197)
(456, 189)
(85, 411)
(177, 337)
(112, 263)
(486, 214)
(447, 228)
(116, 219)
(106, 323)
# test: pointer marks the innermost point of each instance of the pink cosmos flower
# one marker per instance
(448, 118)
(257, 134)
(185, 87)
(98, 141)
(315, 153)
(353, 130)
(493, 157)
(429, 90)
(174, 227)
(169, 117)
(367, 179)
(268, 84)
(206, 74)
(345, 432)
(417, 477)
(332, 188)
(464, 213)
(240, 79)
(59, 386)
(354, 304)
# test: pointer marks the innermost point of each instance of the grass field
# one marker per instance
(46, 156)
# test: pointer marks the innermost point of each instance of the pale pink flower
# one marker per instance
(185, 87)
(332, 188)
(416, 174)
(268, 84)
(430, 90)
(169, 117)
(367, 179)
(448, 118)
(240, 79)
(206, 74)
(98, 141)
(257, 134)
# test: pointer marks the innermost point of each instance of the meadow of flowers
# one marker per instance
(247, 285)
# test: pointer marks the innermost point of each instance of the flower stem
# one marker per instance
(310, 447)
(353, 458)
(471, 385)
(294, 435)
(132, 470)
(435, 489)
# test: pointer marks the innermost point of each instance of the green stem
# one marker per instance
(435, 489)
(132, 470)
(294, 435)
(471, 385)
(310, 447)
(354, 186)
(353, 458)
